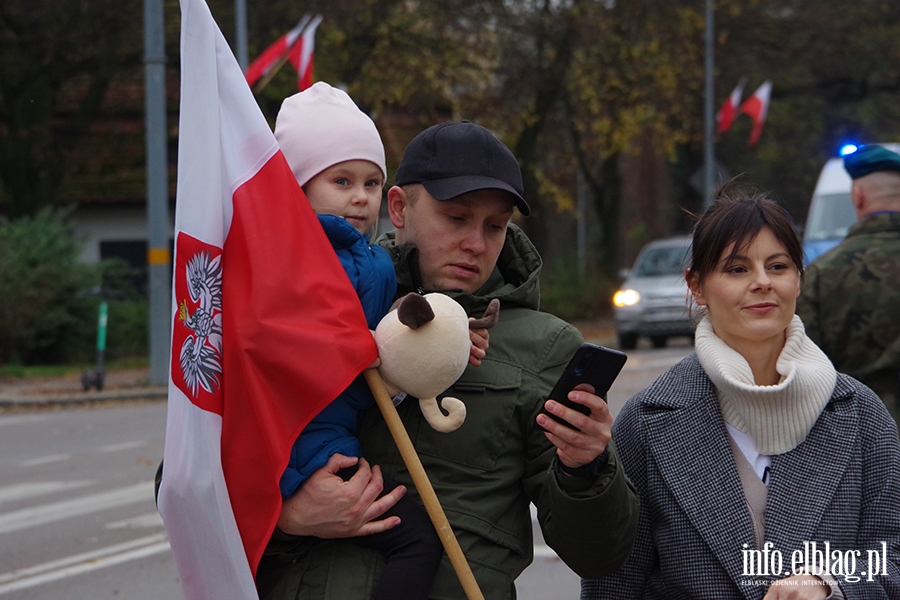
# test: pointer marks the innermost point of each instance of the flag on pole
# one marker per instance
(726, 114)
(266, 61)
(267, 329)
(301, 54)
(757, 106)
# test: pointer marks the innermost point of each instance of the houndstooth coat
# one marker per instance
(841, 485)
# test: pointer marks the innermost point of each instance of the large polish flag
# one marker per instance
(757, 106)
(302, 54)
(266, 326)
(266, 61)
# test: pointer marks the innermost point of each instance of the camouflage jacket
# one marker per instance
(850, 304)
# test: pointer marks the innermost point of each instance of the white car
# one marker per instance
(653, 300)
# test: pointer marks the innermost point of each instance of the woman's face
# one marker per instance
(751, 298)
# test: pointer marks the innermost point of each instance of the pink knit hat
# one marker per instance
(320, 127)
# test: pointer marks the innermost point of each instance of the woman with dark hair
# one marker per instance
(762, 472)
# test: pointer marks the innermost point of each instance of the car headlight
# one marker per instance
(626, 298)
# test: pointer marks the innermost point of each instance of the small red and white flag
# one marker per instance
(757, 106)
(266, 61)
(302, 53)
(267, 329)
(726, 114)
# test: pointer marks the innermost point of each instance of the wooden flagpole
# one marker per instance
(262, 83)
(423, 485)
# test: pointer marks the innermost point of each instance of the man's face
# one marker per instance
(459, 240)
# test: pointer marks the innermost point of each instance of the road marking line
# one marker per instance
(82, 563)
(84, 556)
(544, 551)
(149, 520)
(44, 460)
(22, 491)
(122, 446)
(22, 419)
(58, 511)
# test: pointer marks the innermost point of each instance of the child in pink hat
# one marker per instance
(336, 154)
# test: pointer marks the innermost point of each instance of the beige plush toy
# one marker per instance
(423, 344)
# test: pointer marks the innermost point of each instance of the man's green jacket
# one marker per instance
(488, 472)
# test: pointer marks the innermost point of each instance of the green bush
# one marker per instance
(49, 300)
(129, 312)
(568, 295)
(44, 291)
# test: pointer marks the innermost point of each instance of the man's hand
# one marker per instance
(480, 342)
(798, 587)
(578, 448)
(326, 506)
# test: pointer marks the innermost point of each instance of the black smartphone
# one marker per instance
(592, 364)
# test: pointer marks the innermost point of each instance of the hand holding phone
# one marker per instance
(593, 365)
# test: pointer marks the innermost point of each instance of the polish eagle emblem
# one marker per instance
(201, 351)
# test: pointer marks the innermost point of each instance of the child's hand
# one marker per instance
(479, 339)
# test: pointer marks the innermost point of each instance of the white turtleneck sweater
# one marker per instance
(773, 419)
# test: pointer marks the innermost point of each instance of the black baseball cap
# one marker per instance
(451, 159)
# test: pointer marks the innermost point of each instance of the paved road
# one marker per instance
(641, 369)
(77, 517)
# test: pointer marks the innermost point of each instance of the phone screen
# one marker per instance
(593, 365)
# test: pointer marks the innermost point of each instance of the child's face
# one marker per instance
(349, 189)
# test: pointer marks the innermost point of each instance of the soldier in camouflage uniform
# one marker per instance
(850, 302)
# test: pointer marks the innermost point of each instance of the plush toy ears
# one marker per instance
(414, 310)
(490, 318)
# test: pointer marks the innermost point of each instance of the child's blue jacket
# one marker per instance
(335, 429)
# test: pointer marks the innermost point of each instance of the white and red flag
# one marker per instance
(727, 113)
(757, 106)
(269, 57)
(302, 53)
(267, 329)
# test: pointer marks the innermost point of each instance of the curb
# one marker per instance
(144, 393)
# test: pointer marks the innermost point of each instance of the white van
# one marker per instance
(831, 212)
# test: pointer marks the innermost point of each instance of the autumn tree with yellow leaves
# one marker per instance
(574, 88)
(600, 100)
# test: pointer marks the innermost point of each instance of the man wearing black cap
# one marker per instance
(455, 192)
(850, 302)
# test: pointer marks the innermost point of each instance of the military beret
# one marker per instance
(869, 159)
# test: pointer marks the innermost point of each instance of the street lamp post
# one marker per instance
(240, 32)
(158, 253)
(708, 114)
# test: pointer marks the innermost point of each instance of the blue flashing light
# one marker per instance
(848, 149)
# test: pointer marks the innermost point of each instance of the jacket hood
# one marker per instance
(514, 281)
